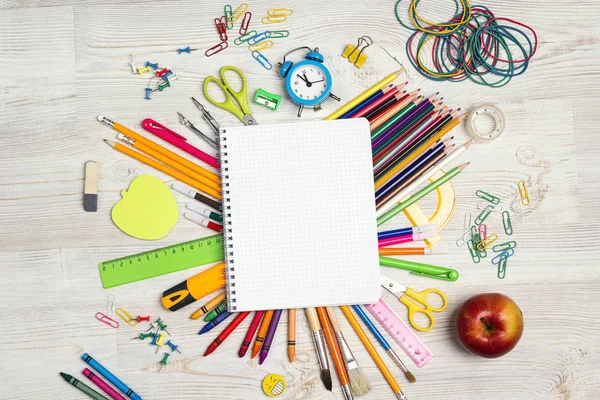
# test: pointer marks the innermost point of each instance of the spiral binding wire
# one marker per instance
(228, 224)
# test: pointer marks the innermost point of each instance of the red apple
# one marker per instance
(489, 324)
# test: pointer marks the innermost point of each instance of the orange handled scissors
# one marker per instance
(415, 301)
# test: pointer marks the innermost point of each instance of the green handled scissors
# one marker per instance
(243, 111)
(415, 301)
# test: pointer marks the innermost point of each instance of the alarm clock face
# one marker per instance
(308, 83)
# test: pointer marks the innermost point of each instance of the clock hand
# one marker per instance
(303, 78)
(318, 81)
(308, 84)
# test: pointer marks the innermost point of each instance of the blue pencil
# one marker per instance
(383, 342)
(110, 377)
(218, 319)
(365, 102)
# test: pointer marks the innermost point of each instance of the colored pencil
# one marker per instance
(385, 108)
(386, 105)
(402, 231)
(388, 205)
(220, 318)
(163, 168)
(420, 194)
(226, 332)
(212, 303)
(334, 350)
(367, 101)
(250, 334)
(404, 251)
(373, 352)
(291, 334)
(264, 351)
(377, 120)
(358, 99)
(405, 239)
(262, 331)
(378, 102)
(375, 133)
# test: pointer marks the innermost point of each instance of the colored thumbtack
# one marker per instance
(164, 85)
(154, 66)
(163, 362)
(167, 75)
(140, 318)
(161, 72)
(152, 326)
(148, 93)
(173, 346)
(184, 50)
(132, 65)
(162, 325)
(160, 341)
(142, 70)
(143, 336)
(155, 338)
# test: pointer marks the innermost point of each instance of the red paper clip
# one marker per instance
(215, 49)
(105, 319)
(221, 24)
(245, 23)
(482, 232)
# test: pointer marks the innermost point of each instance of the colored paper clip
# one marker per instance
(508, 253)
(504, 246)
(507, 223)
(244, 38)
(466, 236)
(262, 60)
(125, 316)
(485, 243)
(215, 49)
(524, 193)
(476, 240)
(269, 100)
(483, 215)
(228, 11)
(221, 25)
(487, 197)
(502, 266)
(265, 44)
(484, 205)
(238, 12)
(355, 54)
(468, 219)
(473, 251)
(279, 34)
(483, 231)
(245, 23)
(259, 37)
(280, 11)
(273, 19)
(105, 319)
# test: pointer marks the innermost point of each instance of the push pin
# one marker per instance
(143, 336)
(152, 326)
(132, 64)
(162, 325)
(148, 93)
(155, 338)
(163, 86)
(140, 318)
(167, 75)
(154, 66)
(161, 72)
(186, 50)
(142, 70)
(173, 346)
(163, 362)
(160, 341)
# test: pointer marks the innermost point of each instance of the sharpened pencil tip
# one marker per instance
(469, 143)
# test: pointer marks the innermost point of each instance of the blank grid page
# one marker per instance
(303, 225)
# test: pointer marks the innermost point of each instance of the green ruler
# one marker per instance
(161, 261)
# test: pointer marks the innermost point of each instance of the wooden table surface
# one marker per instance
(63, 62)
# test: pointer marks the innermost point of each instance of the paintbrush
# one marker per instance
(317, 336)
(358, 379)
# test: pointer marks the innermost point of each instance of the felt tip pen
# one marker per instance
(205, 222)
(406, 231)
(207, 212)
(110, 377)
(191, 193)
(390, 241)
(416, 268)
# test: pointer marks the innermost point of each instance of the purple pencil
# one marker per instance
(264, 351)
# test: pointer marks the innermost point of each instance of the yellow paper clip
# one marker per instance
(238, 12)
(125, 316)
(355, 54)
(524, 193)
(267, 44)
(485, 243)
(273, 19)
(280, 11)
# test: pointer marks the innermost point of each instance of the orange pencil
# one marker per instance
(163, 168)
(403, 251)
(390, 112)
(208, 306)
(155, 146)
(336, 356)
(291, 334)
(262, 331)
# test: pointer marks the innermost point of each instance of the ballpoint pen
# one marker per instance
(197, 131)
(207, 117)
(431, 271)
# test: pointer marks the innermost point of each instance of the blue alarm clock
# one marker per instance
(307, 82)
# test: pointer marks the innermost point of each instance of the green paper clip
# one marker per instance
(483, 215)
(487, 197)
(279, 34)
(267, 99)
(506, 222)
(504, 246)
(244, 38)
(476, 240)
(473, 251)
(430, 271)
(502, 266)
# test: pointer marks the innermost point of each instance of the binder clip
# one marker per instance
(267, 99)
(355, 54)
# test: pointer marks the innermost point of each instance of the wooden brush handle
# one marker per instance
(313, 319)
(334, 350)
(333, 319)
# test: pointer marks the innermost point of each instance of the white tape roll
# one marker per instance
(489, 110)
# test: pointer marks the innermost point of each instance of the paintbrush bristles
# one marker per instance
(326, 378)
(411, 378)
(359, 383)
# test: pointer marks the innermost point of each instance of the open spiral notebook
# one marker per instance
(299, 215)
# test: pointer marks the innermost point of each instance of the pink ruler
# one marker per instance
(412, 346)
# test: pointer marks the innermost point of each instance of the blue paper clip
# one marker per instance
(259, 37)
(507, 253)
(262, 60)
(154, 66)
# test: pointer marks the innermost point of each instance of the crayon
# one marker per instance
(250, 334)
(83, 387)
(220, 318)
(226, 332)
(110, 377)
(264, 351)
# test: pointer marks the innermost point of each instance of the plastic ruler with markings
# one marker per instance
(165, 260)
(412, 346)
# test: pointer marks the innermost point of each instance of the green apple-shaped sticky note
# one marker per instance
(147, 210)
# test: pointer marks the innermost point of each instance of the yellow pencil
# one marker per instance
(163, 168)
(208, 306)
(416, 153)
(373, 352)
(354, 102)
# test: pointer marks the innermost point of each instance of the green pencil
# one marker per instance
(420, 194)
(83, 387)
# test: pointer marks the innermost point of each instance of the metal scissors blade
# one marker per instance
(392, 286)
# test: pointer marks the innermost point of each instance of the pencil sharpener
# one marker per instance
(269, 100)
